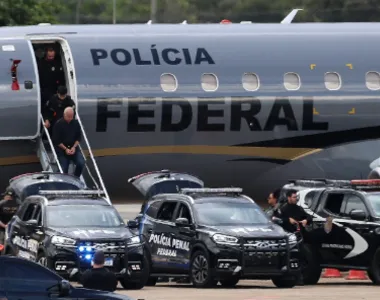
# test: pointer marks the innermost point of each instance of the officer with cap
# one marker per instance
(8, 207)
(99, 277)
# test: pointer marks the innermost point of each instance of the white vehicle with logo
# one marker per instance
(354, 241)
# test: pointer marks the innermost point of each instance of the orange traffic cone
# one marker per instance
(332, 273)
(356, 275)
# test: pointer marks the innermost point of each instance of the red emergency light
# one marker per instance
(225, 21)
(366, 182)
(1, 247)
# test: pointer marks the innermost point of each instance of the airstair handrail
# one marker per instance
(51, 145)
(88, 170)
(92, 158)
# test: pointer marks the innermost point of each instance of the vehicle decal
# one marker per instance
(31, 245)
(87, 233)
(169, 245)
(251, 229)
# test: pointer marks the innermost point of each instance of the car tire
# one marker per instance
(230, 282)
(287, 281)
(138, 285)
(201, 274)
(151, 281)
(374, 270)
(312, 271)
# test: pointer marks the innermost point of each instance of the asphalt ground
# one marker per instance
(329, 289)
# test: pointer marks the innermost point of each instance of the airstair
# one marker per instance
(50, 163)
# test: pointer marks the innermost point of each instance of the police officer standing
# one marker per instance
(99, 278)
(51, 75)
(273, 204)
(8, 207)
(56, 106)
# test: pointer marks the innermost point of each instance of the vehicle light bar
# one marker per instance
(71, 192)
(211, 190)
(373, 184)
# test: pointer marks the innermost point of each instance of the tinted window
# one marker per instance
(229, 213)
(166, 211)
(334, 204)
(374, 200)
(184, 212)
(29, 212)
(354, 202)
(153, 209)
(82, 216)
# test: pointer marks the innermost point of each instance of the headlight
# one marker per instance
(292, 239)
(61, 240)
(225, 239)
(134, 240)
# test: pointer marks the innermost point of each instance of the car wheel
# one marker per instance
(138, 285)
(287, 281)
(374, 270)
(200, 270)
(311, 271)
(230, 282)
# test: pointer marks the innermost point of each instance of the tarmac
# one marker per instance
(251, 289)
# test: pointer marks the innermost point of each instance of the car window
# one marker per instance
(166, 211)
(334, 204)
(37, 214)
(24, 270)
(184, 212)
(354, 202)
(153, 209)
(29, 212)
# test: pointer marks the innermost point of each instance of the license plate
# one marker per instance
(108, 262)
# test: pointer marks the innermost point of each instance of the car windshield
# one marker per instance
(374, 199)
(82, 216)
(229, 213)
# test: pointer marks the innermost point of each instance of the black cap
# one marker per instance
(98, 258)
(62, 90)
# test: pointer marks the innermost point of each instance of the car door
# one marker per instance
(160, 240)
(183, 239)
(34, 233)
(27, 280)
(357, 233)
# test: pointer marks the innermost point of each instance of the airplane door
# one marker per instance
(19, 92)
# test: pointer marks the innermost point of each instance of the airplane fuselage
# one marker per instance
(282, 101)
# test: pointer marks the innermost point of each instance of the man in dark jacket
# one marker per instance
(8, 207)
(273, 203)
(56, 106)
(51, 75)
(99, 278)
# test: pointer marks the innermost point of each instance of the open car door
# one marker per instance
(164, 182)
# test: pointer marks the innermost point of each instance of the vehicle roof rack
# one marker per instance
(230, 190)
(62, 193)
(321, 182)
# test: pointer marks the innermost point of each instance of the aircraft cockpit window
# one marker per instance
(209, 82)
(333, 81)
(251, 82)
(168, 82)
(292, 81)
(372, 80)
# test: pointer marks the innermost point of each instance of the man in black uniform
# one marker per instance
(8, 207)
(66, 138)
(51, 75)
(56, 106)
(273, 203)
(99, 278)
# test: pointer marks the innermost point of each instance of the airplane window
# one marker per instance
(372, 81)
(251, 82)
(209, 82)
(292, 81)
(169, 82)
(333, 81)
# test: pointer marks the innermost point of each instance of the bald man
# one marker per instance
(66, 138)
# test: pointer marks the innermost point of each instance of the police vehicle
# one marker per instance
(354, 241)
(211, 235)
(60, 225)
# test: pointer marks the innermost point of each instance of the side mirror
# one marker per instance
(64, 288)
(277, 221)
(31, 222)
(133, 224)
(358, 215)
(182, 222)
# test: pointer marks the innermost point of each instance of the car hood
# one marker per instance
(257, 231)
(93, 233)
(95, 294)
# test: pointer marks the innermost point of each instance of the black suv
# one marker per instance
(23, 279)
(211, 235)
(60, 225)
(354, 241)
